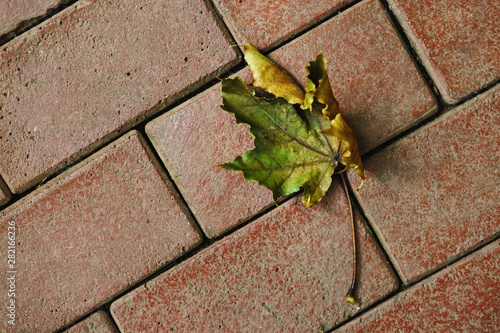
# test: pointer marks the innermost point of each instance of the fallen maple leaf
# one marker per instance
(294, 147)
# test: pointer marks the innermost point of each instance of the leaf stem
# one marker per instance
(350, 294)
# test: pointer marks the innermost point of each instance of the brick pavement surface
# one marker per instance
(99, 322)
(462, 298)
(90, 233)
(456, 39)
(15, 12)
(434, 195)
(117, 240)
(289, 270)
(94, 70)
(381, 93)
(267, 22)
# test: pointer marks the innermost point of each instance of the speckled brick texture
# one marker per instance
(267, 22)
(92, 232)
(457, 40)
(288, 270)
(99, 322)
(461, 298)
(15, 12)
(433, 195)
(4, 193)
(380, 91)
(92, 72)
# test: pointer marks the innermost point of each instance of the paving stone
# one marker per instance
(380, 91)
(457, 40)
(288, 270)
(4, 193)
(93, 71)
(93, 231)
(462, 298)
(99, 322)
(427, 203)
(15, 12)
(267, 22)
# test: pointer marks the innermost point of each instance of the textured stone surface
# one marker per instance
(266, 22)
(461, 298)
(93, 231)
(14, 12)
(192, 141)
(99, 322)
(457, 40)
(379, 89)
(434, 194)
(4, 193)
(288, 270)
(94, 70)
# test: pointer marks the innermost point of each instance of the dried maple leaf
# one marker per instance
(294, 148)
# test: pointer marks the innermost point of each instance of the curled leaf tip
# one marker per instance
(270, 77)
(318, 87)
(360, 184)
(350, 299)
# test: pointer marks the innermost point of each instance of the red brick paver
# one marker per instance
(93, 71)
(91, 232)
(461, 298)
(457, 40)
(99, 322)
(14, 12)
(434, 194)
(266, 22)
(378, 87)
(287, 271)
(4, 193)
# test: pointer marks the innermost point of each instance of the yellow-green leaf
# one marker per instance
(289, 152)
(270, 77)
(295, 147)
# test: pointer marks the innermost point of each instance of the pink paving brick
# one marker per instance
(99, 322)
(380, 91)
(286, 271)
(457, 40)
(15, 12)
(267, 22)
(95, 70)
(90, 233)
(433, 195)
(4, 193)
(461, 298)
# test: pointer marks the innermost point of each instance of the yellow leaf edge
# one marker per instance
(270, 77)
